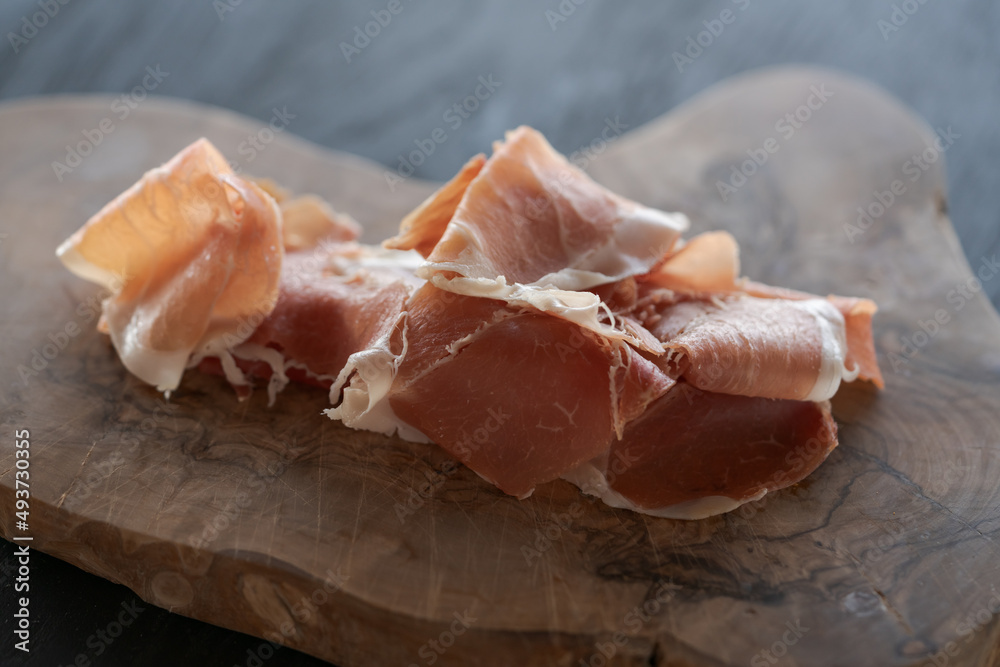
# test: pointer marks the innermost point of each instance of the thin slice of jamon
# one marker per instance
(190, 253)
(694, 453)
(707, 263)
(423, 227)
(743, 345)
(857, 313)
(308, 220)
(532, 230)
(517, 395)
(707, 266)
(335, 300)
(336, 297)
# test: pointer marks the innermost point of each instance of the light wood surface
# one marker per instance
(236, 513)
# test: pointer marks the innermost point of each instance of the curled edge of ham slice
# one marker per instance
(857, 313)
(360, 394)
(744, 345)
(423, 227)
(191, 253)
(528, 228)
(708, 264)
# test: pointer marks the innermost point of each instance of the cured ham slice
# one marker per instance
(532, 230)
(860, 341)
(707, 263)
(334, 301)
(462, 383)
(693, 453)
(707, 266)
(423, 227)
(857, 314)
(190, 253)
(335, 298)
(309, 221)
(772, 348)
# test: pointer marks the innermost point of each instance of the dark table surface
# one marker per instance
(563, 66)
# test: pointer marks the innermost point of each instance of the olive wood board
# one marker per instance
(363, 549)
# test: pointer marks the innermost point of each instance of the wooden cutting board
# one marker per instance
(362, 549)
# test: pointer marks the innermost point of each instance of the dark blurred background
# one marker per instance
(562, 66)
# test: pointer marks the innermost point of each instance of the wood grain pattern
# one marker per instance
(238, 514)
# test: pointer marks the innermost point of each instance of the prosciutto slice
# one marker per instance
(458, 384)
(771, 348)
(334, 300)
(423, 227)
(532, 230)
(190, 253)
(857, 314)
(693, 453)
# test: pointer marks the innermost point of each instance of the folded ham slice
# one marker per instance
(334, 300)
(423, 227)
(462, 383)
(532, 230)
(190, 254)
(857, 315)
(694, 453)
(739, 344)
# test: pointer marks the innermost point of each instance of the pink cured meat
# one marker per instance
(333, 301)
(695, 452)
(464, 383)
(563, 331)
